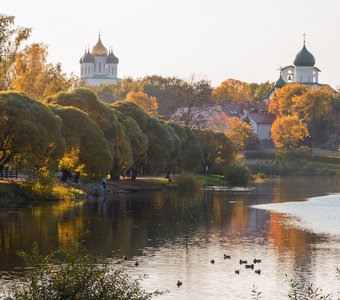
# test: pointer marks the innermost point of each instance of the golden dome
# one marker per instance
(99, 49)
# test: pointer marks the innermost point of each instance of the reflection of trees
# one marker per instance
(45, 223)
(295, 243)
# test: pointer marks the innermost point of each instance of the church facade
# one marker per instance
(99, 66)
(303, 70)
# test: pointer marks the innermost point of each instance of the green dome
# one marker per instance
(280, 83)
(304, 58)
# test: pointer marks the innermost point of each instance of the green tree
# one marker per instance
(137, 140)
(190, 155)
(103, 115)
(11, 39)
(87, 151)
(263, 91)
(160, 138)
(30, 136)
(215, 145)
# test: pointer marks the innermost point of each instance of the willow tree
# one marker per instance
(30, 136)
(137, 140)
(87, 151)
(215, 145)
(104, 116)
(161, 139)
(190, 154)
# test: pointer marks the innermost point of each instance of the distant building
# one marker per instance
(303, 70)
(99, 66)
(260, 123)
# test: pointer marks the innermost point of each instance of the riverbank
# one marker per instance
(18, 192)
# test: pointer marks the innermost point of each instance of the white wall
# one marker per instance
(264, 131)
(100, 65)
(98, 81)
(303, 74)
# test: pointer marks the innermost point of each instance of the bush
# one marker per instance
(237, 173)
(186, 182)
(72, 275)
(292, 154)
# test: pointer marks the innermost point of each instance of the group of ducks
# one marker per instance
(242, 262)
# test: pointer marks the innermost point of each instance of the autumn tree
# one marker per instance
(11, 38)
(239, 132)
(148, 103)
(288, 131)
(283, 100)
(110, 93)
(310, 105)
(33, 75)
(220, 122)
(30, 136)
(232, 90)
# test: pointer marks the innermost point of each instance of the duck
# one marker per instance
(212, 261)
(256, 261)
(237, 272)
(125, 257)
(250, 266)
(136, 264)
(258, 272)
(243, 262)
(226, 256)
(179, 283)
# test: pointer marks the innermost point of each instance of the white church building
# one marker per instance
(99, 66)
(303, 70)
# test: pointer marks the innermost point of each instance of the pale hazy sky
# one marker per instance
(242, 39)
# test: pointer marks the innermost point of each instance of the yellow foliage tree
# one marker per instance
(239, 133)
(288, 131)
(37, 78)
(232, 90)
(148, 103)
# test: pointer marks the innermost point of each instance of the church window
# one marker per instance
(100, 67)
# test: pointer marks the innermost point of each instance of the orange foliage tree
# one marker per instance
(143, 100)
(235, 129)
(288, 131)
(232, 90)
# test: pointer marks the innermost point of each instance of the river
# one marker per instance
(291, 224)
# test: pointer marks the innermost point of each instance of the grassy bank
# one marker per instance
(14, 193)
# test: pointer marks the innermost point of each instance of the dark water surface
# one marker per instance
(174, 236)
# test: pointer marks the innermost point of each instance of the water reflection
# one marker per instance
(174, 236)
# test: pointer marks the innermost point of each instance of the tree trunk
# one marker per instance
(134, 174)
(76, 177)
(65, 174)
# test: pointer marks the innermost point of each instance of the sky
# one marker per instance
(246, 40)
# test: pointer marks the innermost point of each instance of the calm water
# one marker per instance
(174, 236)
